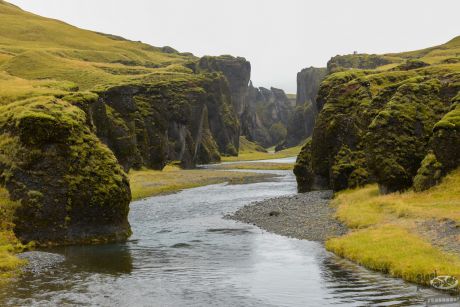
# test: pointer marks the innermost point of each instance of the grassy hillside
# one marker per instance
(447, 53)
(34, 47)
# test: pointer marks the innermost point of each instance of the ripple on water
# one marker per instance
(183, 253)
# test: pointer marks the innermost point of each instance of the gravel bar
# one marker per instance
(303, 216)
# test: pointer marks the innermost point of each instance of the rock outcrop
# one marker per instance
(396, 126)
(70, 185)
(185, 119)
(266, 116)
(301, 124)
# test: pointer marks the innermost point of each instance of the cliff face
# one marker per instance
(266, 115)
(186, 119)
(385, 125)
(237, 72)
(81, 109)
(302, 121)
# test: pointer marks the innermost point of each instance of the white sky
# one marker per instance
(278, 37)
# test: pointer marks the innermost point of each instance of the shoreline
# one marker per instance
(149, 183)
(306, 216)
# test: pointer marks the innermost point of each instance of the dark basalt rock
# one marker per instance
(302, 122)
(188, 120)
(266, 116)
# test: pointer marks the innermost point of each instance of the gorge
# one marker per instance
(123, 164)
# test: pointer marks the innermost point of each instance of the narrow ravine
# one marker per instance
(183, 253)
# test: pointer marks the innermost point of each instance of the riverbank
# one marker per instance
(407, 235)
(146, 183)
(253, 154)
(255, 166)
(305, 216)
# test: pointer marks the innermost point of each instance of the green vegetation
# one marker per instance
(257, 166)
(385, 233)
(251, 155)
(248, 146)
(9, 244)
(378, 122)
(145, 183)
(278, 132)
(395, 251)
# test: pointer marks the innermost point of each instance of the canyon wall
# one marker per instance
(302, 121)
(396, 125)
(266, 115)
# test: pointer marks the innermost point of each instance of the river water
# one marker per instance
(183, 253)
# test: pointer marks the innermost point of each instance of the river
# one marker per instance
(183, 253)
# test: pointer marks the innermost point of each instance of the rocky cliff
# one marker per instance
(83, 108)
(397, 125)
(266, 115)
(301, 124)
(187, 119)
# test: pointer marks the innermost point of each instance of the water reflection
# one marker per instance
(183, 253)
(112, 259)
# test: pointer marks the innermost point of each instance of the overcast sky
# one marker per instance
(278, 37)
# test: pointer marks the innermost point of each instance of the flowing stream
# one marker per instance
(183, 253)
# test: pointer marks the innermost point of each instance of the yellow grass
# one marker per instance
(257, 166)
(147, 183)
(248, 155)
(394, 250)
(384, 232)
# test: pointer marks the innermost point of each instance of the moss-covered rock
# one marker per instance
(349, 169)
(378, 125)
(303, 169)
(446, 137)
(361, 61)
(429, 174)
(398, 137)
(87, 196)
(151, 123)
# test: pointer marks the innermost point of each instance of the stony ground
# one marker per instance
(38, 262)
(303, 216)
(443, 233)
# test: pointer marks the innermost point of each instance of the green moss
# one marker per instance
(429, 174)
(303, 168)
(446, 138)
(41, 133)
(349, 169)
(278, 132)
(398, 137)
(387, 115)
(361, 61)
